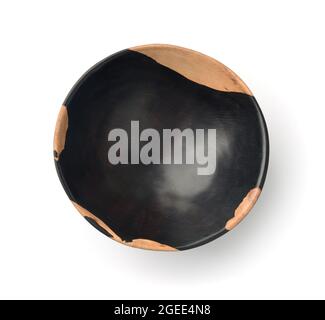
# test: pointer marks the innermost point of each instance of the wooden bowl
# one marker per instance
(161, 147)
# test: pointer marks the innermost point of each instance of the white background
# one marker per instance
(48, 251)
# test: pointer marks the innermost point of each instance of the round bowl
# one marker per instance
(161, 147)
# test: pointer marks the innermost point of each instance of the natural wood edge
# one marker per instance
(244, 208)
(60, 132)
(149, 245)
(136, 243)
(195, 66)
(85, 213)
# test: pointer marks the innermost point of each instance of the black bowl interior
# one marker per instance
(161, 206)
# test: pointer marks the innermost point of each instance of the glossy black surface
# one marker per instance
(168, 204)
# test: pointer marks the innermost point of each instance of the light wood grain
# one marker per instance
(244, 208)
(195, 66)
(60, 132)
(136, 243)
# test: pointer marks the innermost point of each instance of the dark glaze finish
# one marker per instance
(169, 204)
